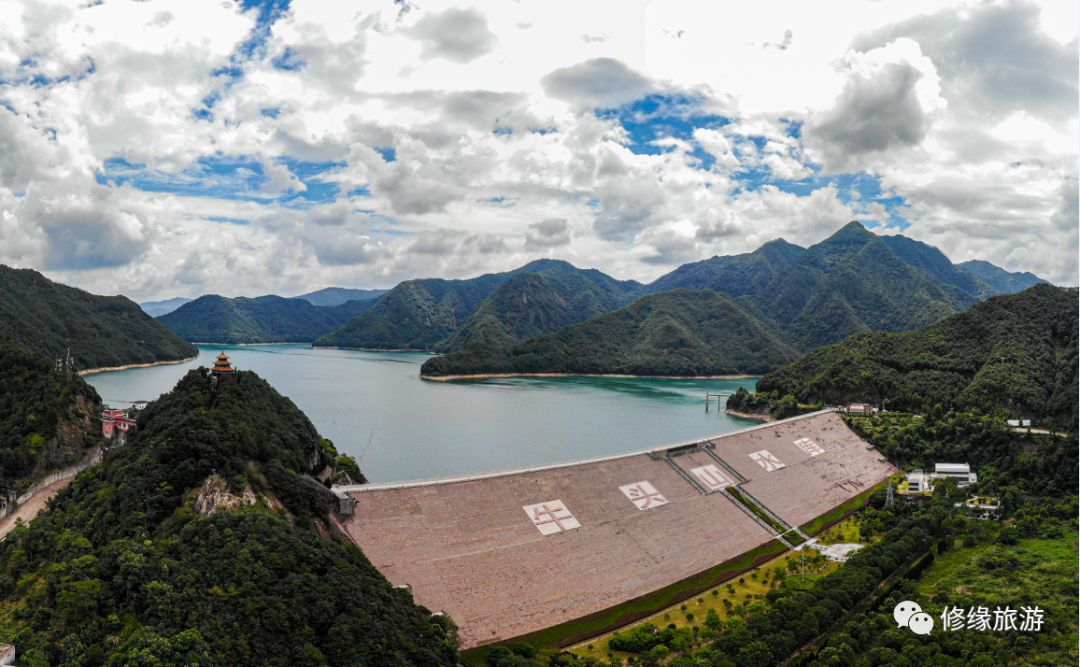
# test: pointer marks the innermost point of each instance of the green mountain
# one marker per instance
(851, 282)
(1015, 352)
(159, 308)
(1000, 280)
(264, 319)
(935, 264)
(336, 296)
(47, 417)
(205, 541)
(734, 275)
(679, 332)
(100, 331)
(530, 304)
(423, 314)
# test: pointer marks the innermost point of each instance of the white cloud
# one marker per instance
(460, 35)
(469, 142)
(887, 102)
(600, 82)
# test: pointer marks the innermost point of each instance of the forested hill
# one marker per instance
(424, 314)
(336, 296)
(264, 319)
(100, 331)
(851, 282)
(534, 303)
(47, 417)
(1017, 353)
(204, 541)
(679, 332)
(999, 279)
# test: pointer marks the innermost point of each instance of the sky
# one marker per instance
(161, 149)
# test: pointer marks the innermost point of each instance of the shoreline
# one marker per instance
(109, 369)
(488, 376)
(219, 343)
(372, 349)
(750, 415)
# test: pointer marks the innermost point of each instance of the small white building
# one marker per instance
(923, 482)
(961, 472)
(860, 409)
(7, 654)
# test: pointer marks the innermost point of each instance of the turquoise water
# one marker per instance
(419, 429)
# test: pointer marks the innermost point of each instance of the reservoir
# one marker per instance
(375, 407)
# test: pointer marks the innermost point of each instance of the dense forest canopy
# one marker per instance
(680, 332)
(1017, 353)
(47, 416)
(129, 567)
(851, 282)
(100, 331)
(529, 304)
(264, 319)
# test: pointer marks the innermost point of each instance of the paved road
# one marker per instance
(30, 508)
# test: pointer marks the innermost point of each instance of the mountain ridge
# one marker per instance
(265, 319)
(54, 320)
(673, 333)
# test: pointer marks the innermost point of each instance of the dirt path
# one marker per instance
(30, 508)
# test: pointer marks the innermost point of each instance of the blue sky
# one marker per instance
(324, 143)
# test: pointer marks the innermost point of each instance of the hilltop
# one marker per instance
(159, 308)
(47, 417)
(851, 282)
(555, 295)
(264, 319)
(424, 314)
(1016, 352)
(206, 540)
(336, 296)
(679, 332)
(100, 331)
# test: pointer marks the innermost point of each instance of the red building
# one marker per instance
(113, 420)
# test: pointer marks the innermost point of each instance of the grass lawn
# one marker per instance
(840, 511)
(629, 612)
(747, 589)
(845, 532)
(1034, 572)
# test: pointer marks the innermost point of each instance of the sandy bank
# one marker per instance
(106, 369)
(221, 344)
(750, 415)
(487, 376)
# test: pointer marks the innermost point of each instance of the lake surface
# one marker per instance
(419, 429)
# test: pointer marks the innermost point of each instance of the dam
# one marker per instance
(510, 553)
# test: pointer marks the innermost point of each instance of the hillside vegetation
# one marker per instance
(1017, 353)
(264, 319)
(852, 282)
(1000, 280)
(100, 331)
(138, 563)
(530, 304)
(435, 314)
(681, 332)
(336, 296)
(47, 417)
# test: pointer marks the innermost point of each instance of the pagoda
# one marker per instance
(222, 365)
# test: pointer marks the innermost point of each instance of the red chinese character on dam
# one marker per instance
(644, 495)
(551, 517)
(711, 477)
(766, 460)
(809, 446)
